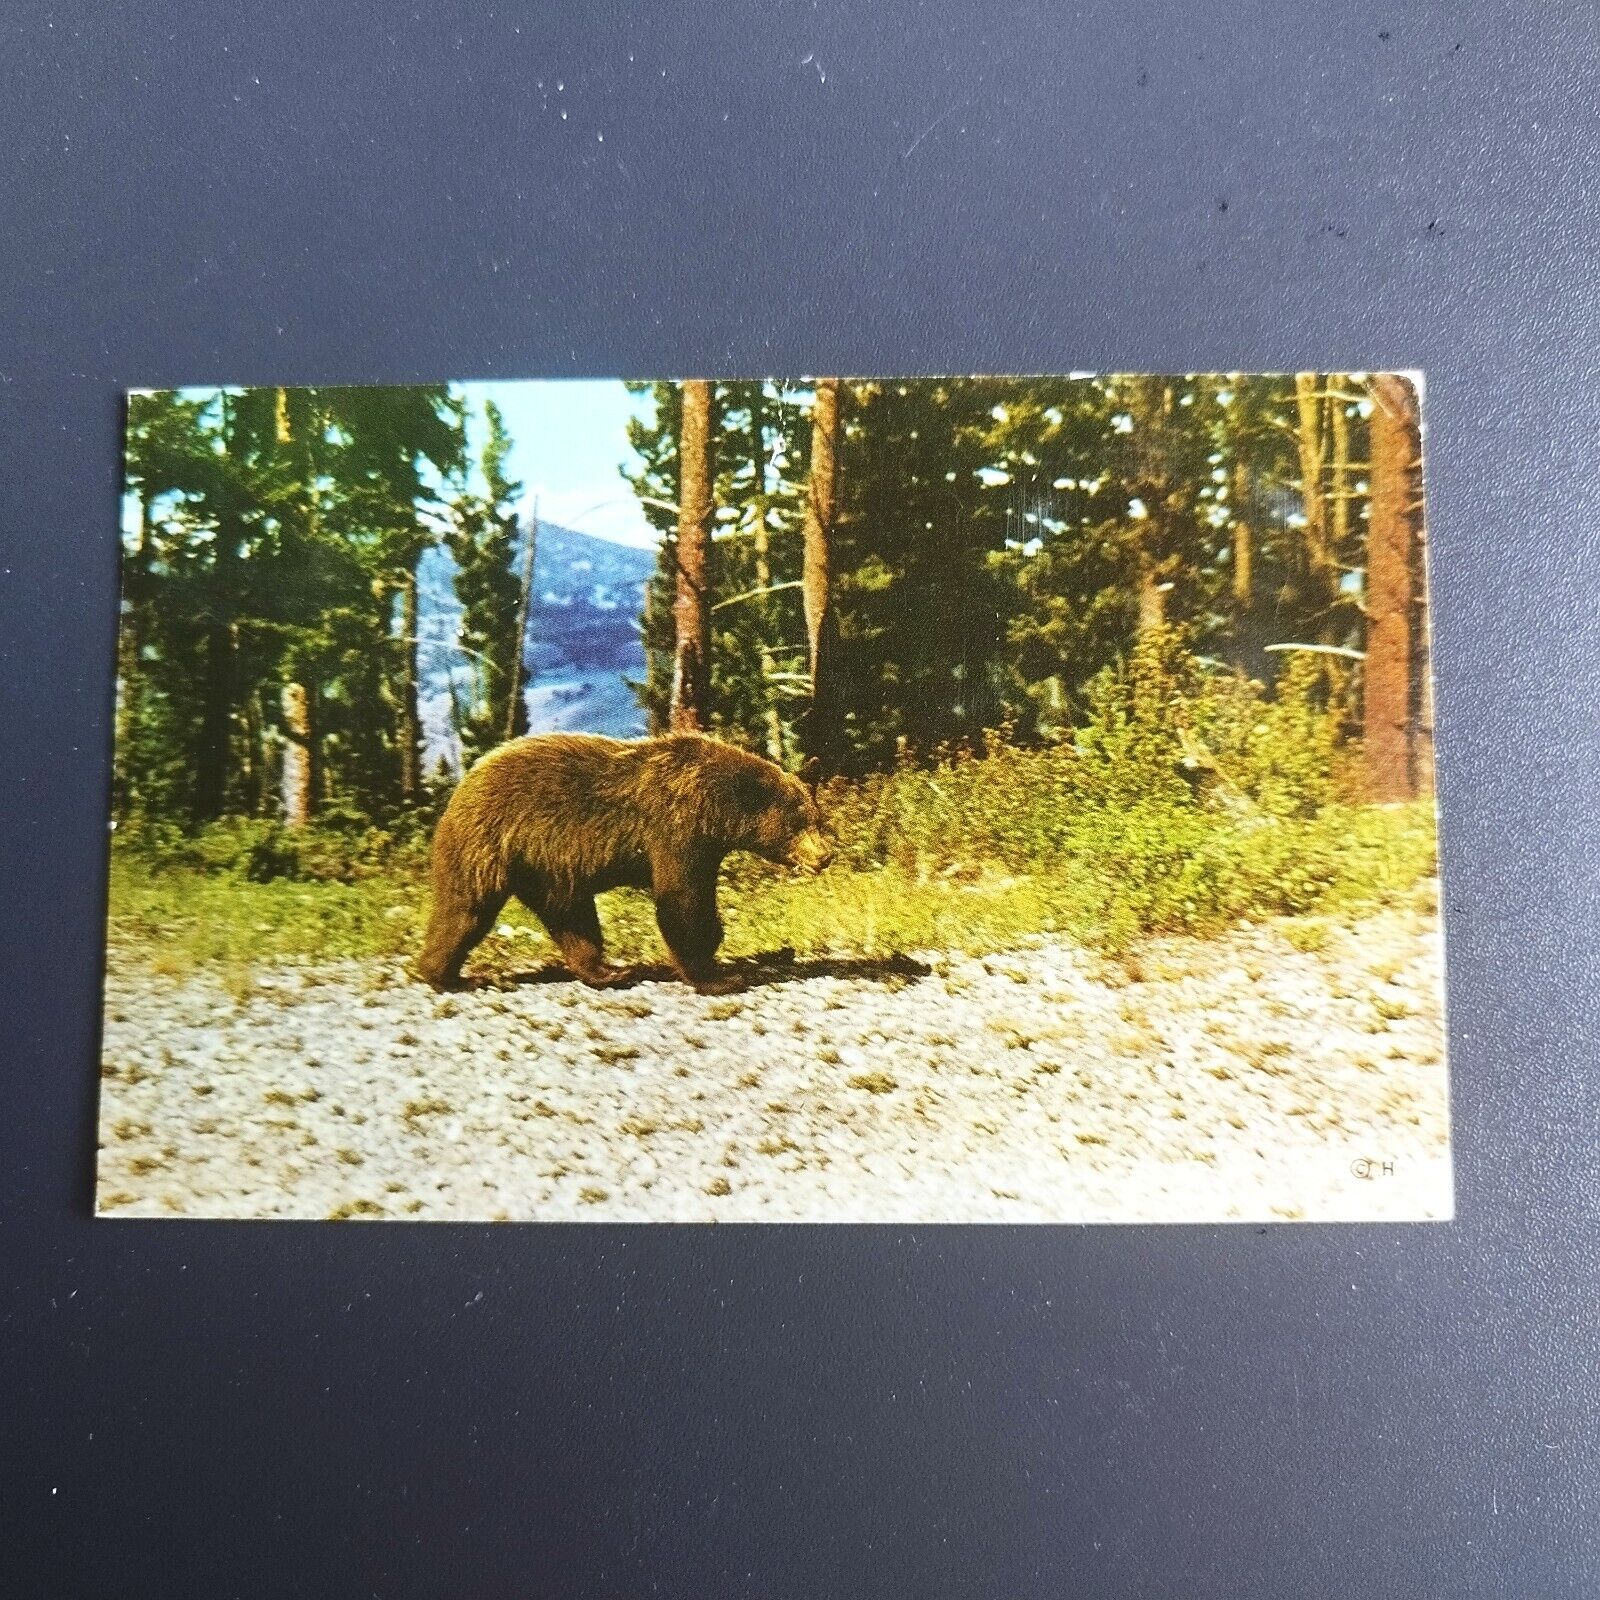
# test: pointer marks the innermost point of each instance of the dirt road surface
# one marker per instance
(1281, 1072)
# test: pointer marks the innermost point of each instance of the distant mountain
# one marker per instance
(581, 648)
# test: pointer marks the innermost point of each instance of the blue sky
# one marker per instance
(569, 436)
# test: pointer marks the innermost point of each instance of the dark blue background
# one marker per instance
(350, 191)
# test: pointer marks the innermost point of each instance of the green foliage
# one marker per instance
(1187, 799)
(341, 846)
(1002, 542)
(273, 536)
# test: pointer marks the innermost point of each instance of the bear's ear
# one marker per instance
(811, 772)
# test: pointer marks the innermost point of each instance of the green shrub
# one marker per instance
(1186, 799)
(338, 847)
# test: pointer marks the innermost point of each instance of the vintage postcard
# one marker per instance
(970, 799)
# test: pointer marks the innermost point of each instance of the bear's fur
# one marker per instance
(558, 818)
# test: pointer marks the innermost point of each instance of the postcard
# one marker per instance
(960, 800)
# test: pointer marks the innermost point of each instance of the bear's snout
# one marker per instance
(810, 851)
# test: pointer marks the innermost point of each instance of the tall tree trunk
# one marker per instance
(410, 712)
(302, 761)
(1389, 724)
(1312, 447)
(516, 723)
(1339, 485)
(1242, 536)
(298, 784)
(691, 610)
(758, 461)
(1152, 594)
(1151, 404)
(821, 728)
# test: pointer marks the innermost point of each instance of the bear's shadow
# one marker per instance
(754, 972)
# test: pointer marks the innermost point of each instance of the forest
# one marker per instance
(1166, 632)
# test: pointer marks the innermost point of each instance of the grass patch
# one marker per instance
(1104, 890)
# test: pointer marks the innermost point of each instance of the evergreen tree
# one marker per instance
(484, 542)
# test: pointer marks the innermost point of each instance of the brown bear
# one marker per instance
(558, 818)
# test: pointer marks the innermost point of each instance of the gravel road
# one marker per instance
(1286, 1071)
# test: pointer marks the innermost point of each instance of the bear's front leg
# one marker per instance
(456, 925)
(686, 913)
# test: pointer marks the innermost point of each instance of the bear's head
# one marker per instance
(787, 825)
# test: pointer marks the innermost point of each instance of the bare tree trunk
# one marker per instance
(758, 460)
(816, 584)
(1152, 595)
(517, 706)
(410, 713)
(691, 610)
(302, 761)
(1388, 719)
(1339, 486)
(297, 755)
(1244, 541)
(1242, 536)
(1319, 564)
(1151, 403)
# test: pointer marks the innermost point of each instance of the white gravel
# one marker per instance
(1239, 1078)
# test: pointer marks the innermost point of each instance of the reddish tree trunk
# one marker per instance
(821, 728)
(691, 610)
(1388, 717)
(758, 461)
(298, 778)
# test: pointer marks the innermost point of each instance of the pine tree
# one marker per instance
(170, 465)
(483, 540)
(919, 607)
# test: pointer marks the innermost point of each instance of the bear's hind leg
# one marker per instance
(455, 928)
(574, 925)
